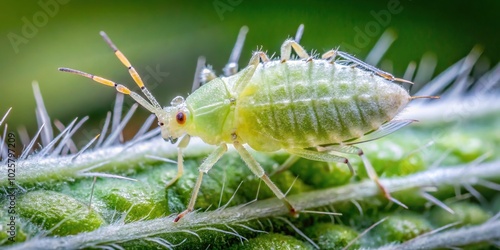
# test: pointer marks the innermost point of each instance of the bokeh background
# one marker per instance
(166, 37)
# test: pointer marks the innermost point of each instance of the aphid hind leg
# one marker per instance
(286, 50)
(203, 169)
(320, 156)
(369, 67)
(349, 149)
(180, 161)
(259, 171)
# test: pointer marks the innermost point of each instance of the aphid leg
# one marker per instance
(331, 54)
(259, 55)
(247, 73)
(285, 165)
(384, 130)
(259, 171)
(369, 67)
(180, 161)
(231, 67)
(286, 50)
(131, 70)
(320, 156)
(203, 169)
(349, 149)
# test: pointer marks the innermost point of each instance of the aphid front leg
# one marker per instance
(204, 168)
(286, 50)
(180, 161)
(259, 171)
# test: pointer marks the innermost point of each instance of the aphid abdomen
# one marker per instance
(300, 104)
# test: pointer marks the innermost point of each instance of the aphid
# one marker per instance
(309, 107)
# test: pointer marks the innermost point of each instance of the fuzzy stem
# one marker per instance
(60, 168)
(486, 232)
(459, 175)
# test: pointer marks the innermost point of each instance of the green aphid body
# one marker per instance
(311, 108)
(295, 104)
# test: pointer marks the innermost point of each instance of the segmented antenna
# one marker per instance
(153, 106)
(131, 70)
(120, 88)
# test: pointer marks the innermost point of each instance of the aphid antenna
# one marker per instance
(133, 73)
(152, 105)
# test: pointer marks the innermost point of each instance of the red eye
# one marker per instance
(181, 118)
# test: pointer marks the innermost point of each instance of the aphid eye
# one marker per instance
(181, 118)
(161, 123)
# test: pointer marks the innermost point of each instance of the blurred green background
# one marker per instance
(166, 37)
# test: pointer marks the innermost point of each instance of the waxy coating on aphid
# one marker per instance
(308, 107)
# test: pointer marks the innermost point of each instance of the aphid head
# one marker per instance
(174, 119)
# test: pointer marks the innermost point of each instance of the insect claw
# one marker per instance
(293, 212)
(178, 218)
(181, 215)
(388, 195)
